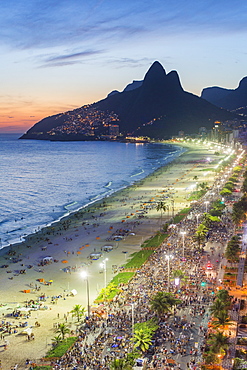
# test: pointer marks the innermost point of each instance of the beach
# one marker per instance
(58, 254)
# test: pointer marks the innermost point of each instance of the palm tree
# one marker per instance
(63, 330)
(161, 206)
(223, 295)
(120, 364)
(222, 319)
(203, 186)
(163, 302)
(78, 311)
(200, 234)
(56, 340)
(142, 340)
(218, 306)
(218, 342)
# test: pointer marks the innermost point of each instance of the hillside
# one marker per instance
(158, 108)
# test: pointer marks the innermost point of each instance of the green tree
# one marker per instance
(142, 340)
(217, 307)
(200, 234)
(78, 311)
(218, 342)
(223, 295)
(203, 186)
(210, 358)
(56, 340)
(163, 302)
(120, 364)
(209, 220)
(161, 206)
(222, 320)
(225, 192)
(63, 330)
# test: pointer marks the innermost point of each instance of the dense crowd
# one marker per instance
(179, 341)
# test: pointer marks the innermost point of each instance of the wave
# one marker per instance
(70, 205)
(137, 174)
(108, 184)
(42, 212)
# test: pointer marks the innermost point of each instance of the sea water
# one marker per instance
(42, 181)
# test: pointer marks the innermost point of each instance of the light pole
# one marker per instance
(197, 216)
(172, 201)
(206, 204)
(168, 257)
(103, 265)
(133, 317)
(183, 234)
(84, 274)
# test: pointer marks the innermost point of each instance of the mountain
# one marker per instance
(214, 94)
(132, 86)
(225, 98)
(158, 108)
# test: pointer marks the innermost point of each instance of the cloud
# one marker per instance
(68, 58)
(28, 24)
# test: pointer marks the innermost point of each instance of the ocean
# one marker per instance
(43, 181)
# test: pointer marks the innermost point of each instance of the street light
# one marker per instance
(172, 201)
(183, 234)
(133, 317)
(168, 257)
(197, 216)
(103, 265)
(206, 204)
(84, 274)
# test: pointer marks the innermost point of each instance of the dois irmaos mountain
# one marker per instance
(158, 107)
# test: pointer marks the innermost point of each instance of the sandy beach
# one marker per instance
(69, 243)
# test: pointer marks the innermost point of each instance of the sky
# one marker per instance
(57, 55)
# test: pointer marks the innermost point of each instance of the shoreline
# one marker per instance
(179, 150)
(85, 232)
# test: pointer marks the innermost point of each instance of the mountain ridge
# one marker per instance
(230, 99)
(158, 108)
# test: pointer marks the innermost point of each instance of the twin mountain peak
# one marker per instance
(157, 107)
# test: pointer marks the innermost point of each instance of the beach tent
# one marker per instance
(107, 248)
(27, 331)
(47, 259)
(24, 309)
(73, 292)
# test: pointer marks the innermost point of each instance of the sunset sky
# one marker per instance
(57, 55)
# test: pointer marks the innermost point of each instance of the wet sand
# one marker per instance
(74, 238)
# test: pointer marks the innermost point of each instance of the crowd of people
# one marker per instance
(179, 341)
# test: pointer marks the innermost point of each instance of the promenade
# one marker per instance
(180, 339)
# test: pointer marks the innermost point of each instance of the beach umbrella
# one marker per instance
(78, 252)
(123, 220)
(64, 261)
(111, 227)
(87, 245)
(97, 237)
